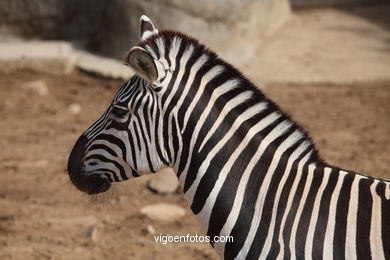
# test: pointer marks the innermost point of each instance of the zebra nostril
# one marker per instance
(92, 163)
(98, 184)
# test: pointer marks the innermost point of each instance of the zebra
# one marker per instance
(246, 168)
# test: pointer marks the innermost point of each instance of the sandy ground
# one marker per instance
(328, 45)
(42, 216)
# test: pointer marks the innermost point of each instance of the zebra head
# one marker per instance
(125, 141)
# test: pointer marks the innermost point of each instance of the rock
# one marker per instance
(150, 230)
(89, 220)
(103, 67)
(7, 217)
(165, 181)
(52, 19)
(53, 57)
(322, 3)
(236, 36)
(74, 108)
(37, 87)
(163, 212)
(92, 233)
(41, 163)
(110, 27)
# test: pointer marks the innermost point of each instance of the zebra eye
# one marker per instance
(119, 112)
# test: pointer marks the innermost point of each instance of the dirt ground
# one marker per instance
(42, 216)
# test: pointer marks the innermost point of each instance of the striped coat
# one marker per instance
(246, 168)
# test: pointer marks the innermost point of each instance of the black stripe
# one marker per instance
(293, 211)
(199, 157)
(175, 139)
(103, 147)
(364, 220)
(225, 199)
(211, 175)
(168, 90)
(381, 190)
(172, 82)
(193, 89)
(340, 231)
(322, 220)
(141, 130)
(114, 140)
(306, 215)
(168, 45)
(108, 176)
(215, 112)
(156, 136)
(137, 137)
(269, 201)
(132, 147)
(256, 178)
(107, 160)
(146, 109)
(284, 199)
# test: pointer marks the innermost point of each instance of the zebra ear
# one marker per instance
(141, 61)
(147, 28)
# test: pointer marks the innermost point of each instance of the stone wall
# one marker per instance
(110, 27)
(313, 3)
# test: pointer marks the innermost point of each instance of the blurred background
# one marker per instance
(325, 62)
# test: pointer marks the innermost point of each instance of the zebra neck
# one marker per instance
(226, 166)
(232, 140)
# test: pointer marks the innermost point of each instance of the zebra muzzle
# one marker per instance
(91, 183)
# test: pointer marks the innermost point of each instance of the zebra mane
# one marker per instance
(167, 37)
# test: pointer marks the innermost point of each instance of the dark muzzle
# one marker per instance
(91, 184)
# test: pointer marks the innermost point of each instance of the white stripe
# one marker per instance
(229, 106)
(315, 213)
(376, 243)
(99, 124)
(300, 209)
(141, 156)
(194, 69)
(211, 74)
(151, 52)
(101, 165)
(142, 118)
(108, 165)
(160, 133)
(296, 136)
(204, 214)
(234, 128)
(191, 77)
(331, 225)
(249, 113)
(183, 61)
(173, 51)
(350, 241)
(108, 144)
(156, 161)
(290, 200)
(236, 208)
(161, 47)
(275, 133)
